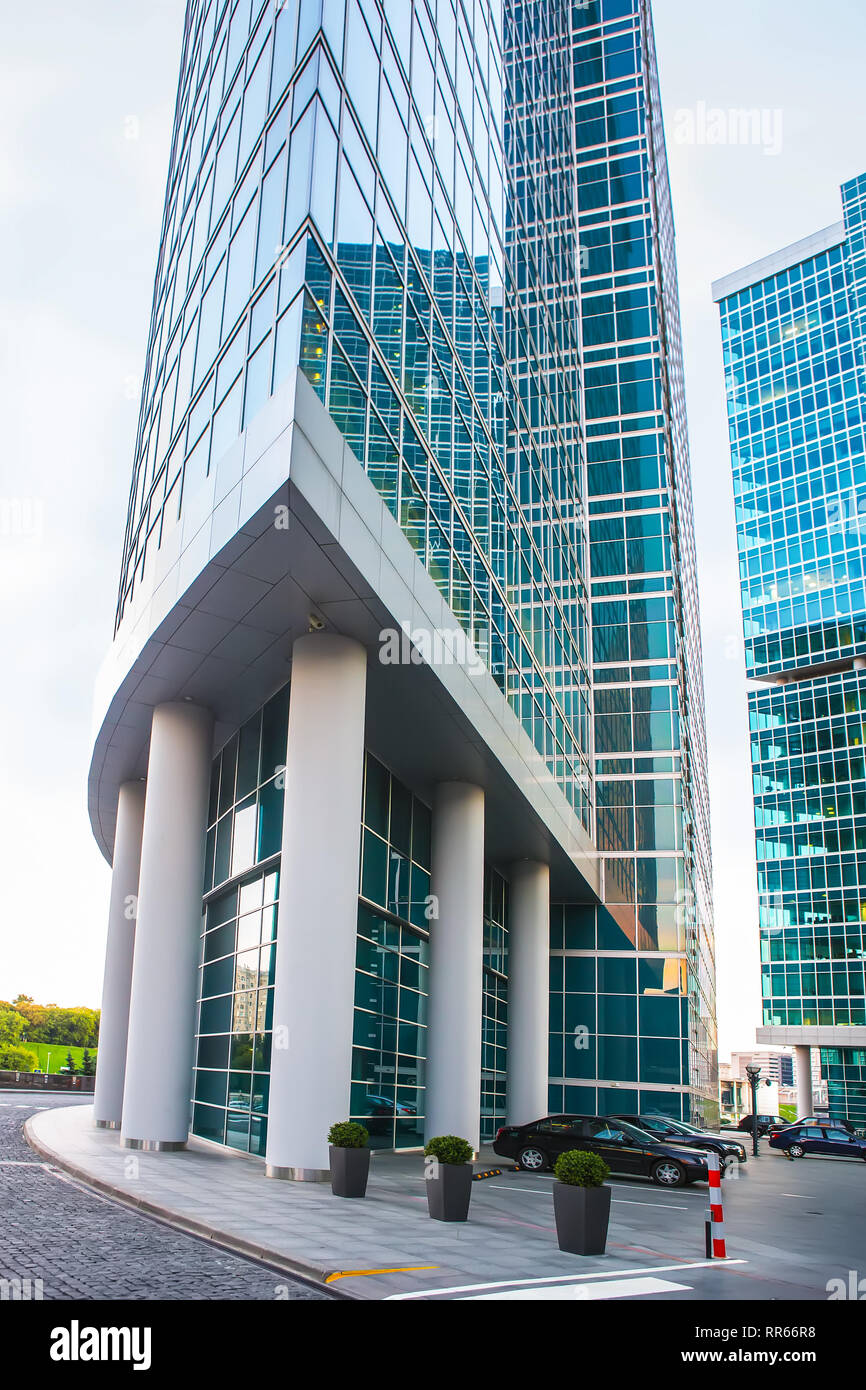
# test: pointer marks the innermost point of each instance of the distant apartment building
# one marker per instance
(777, 1066)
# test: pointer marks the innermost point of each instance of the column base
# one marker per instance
(298, 1174)
(154, 1145)
(107, 1124)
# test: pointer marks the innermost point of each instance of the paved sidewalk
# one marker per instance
(384, 1246)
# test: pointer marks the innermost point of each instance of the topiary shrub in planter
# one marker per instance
(448, 1174)
(349, 1159)
(581, 1202)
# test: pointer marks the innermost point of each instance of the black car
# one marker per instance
(827, 1140)
(814, 1120)
(676, 1132)
(765, 1123)
(624, 1148)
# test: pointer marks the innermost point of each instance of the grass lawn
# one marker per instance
(52, 1056)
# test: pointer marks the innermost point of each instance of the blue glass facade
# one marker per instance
(794, 357)
(638, 972)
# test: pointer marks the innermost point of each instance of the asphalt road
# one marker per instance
(795, 1231)
(84, 1246)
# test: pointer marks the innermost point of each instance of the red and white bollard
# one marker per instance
(717, 1216)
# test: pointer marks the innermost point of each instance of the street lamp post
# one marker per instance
(753, 1072)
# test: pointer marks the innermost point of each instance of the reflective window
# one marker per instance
(233, 1043)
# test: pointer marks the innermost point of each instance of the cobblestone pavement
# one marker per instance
(82, 1245)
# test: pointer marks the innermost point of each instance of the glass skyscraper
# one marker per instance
(793, 334)
(407, 641)
(639, 968)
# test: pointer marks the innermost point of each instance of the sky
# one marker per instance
(86, 102)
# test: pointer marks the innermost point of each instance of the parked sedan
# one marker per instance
(624, 1148)
(800, 1140)
(676, 1132)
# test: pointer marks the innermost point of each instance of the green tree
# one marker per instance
(34, 1017)
(17, 1058)
(48, 1023)
(70, 1064)
(11, 1025)
(88, 1063)
(77, 1027)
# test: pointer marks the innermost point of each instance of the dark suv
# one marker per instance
(765, 1123)
(677, 1132)
(624, 1148)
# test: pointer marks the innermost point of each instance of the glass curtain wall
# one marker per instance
(794, 349)
(394, 925)
(648, 953)
(239, 927)
(494, 1017)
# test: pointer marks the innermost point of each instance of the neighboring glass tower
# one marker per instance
(365, 418)
(793, 335)
(639, 971)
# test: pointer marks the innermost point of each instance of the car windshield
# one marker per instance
(656, 1124)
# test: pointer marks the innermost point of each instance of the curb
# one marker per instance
(302, 1269)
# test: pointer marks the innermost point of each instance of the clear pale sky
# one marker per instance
(86, 98)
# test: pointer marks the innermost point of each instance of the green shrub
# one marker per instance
(448, 1148)
(17, 1058)
(348, 1135)
(579, 1168)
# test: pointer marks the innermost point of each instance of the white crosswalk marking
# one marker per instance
(608, 1288)
(551, 1281)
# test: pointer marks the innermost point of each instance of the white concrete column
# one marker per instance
(528, 991)
(156, 1101)
(456, 963)
(803, 1062)
(117, 978)
(314, 986)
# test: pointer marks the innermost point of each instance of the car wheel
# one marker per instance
(532, 1160)
(796, 1150)
(668, 1173)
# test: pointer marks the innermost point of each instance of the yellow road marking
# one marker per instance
(358, 1273)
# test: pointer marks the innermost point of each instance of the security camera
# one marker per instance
(315, 623)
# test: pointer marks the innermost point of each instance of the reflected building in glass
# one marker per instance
(793, 335)
(355, 686)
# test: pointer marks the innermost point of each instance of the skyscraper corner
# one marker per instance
(407, 644)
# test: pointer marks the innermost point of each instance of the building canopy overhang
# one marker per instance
(293, 535)
(813, 1035)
